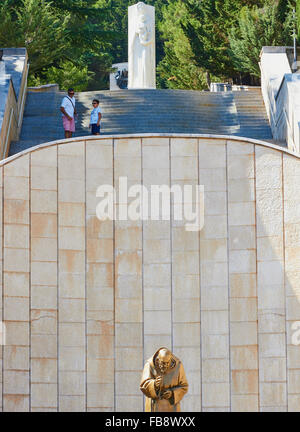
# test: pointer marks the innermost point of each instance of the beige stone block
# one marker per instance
(244, 403)
(239, 148)
(216, 394)
(17, 333)
(99, 323)
(100, 299)
(272, 369)
(16, 188)
(43, 297)
(99, 156)
(98, 229)
(43, 321)
(16, 284)
(43, 201)
(241, 166)
(71, 261)
(71, 383)
(125, 165)
(72, 334)
(128, 310)
(72, 238)
(129, 403)
(18, 168)
(43, 249)
(215, 322)
(190, 357)
(129, 358)
(16, 236)
(213, 179)
(128, 238)
(241, 213)
(185, 262)
(43, 346)
(242, 237)
(270, 248)
(156, 230)
(272, 394)
(186, 310)
(241, 190)
(293, 358)
(44, 177)
(156, 156)
(291, 211)
(215, 203)
(213, 250)
(194, 380)
(100, 371)
(243, 309)
(16, 357)
(272, 345)
(16, 211)
(128, 334)
(186, 334)
(16, 260)
(16, 308)
(72, 403)
(242, 285)
(185, 286)
(127, 383)
(271, 321)
(269, 224)
(183, 147)
(244, 357)
(100, 250)
(215, 346)
(16, 382)
(157, 299)
(43, 225)
(292, 283)
(128, 263)
(71, 167)
(243, 333)
(214, 298)
(214, 274)
(44, 395)
(294, 403)
(127, 147)
(44, 371)
(155, 175)
(292, 257)
(153, 342)
(44, 157)
(270, 297)
(215, 227)
(100, 347)
(72, 285)
(100, 274)
(270, 273)
(157, 251)
(242, 261)
(72, 358)
(244, 381)
(157, 274)
(71, 214)
(100, 395)
(15, 403)
(44, 273)
(184, 168)
(214, 371)
(212, 153)
(71, 191)
(294, 381)
(71, 149)
(128, 286)
(269, 202)
(157, 322)
(292, 235)
(72, 310)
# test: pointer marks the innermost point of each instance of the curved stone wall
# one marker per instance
(85, 302)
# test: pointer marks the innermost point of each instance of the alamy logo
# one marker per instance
(159, 202)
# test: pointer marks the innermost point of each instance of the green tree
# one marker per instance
(258, 27)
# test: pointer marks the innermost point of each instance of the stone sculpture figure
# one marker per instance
(163, 382)
(141, 47)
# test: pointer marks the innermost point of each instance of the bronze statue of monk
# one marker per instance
(163, 382)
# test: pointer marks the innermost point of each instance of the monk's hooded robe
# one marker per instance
(174, 379)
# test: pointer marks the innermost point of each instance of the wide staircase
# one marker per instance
(238, 113)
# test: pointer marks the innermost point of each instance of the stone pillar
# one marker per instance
(141, 47)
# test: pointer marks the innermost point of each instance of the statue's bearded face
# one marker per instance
(163, 361)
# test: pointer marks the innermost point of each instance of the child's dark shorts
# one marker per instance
(95, 129)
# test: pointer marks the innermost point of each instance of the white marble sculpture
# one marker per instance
(141, 47)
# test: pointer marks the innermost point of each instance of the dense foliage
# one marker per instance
(75, 42)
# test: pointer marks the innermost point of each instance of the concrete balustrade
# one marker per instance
(86, 302)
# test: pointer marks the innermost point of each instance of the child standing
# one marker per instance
(95, 118)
